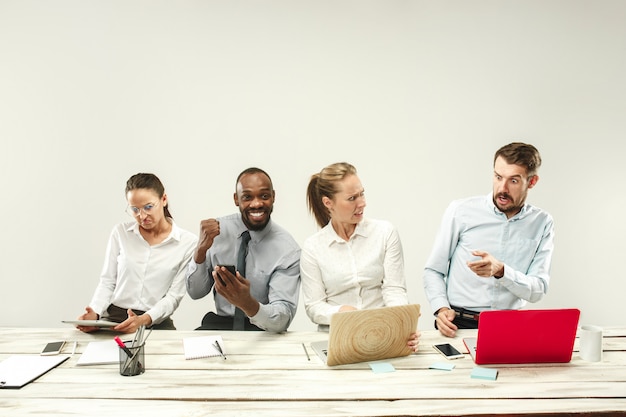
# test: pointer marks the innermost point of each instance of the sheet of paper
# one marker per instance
(442, 366)
(484, 373)
(381, 367)
(100, 353)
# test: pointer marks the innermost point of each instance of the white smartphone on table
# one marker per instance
(448, 351)
(53, 348)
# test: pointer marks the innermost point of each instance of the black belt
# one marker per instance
(465, 314)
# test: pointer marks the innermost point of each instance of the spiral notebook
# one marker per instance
(202, 347)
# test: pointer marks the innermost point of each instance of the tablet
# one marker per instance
(91, 323)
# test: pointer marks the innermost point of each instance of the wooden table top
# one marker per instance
(269, 374)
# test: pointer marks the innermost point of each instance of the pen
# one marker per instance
(74, 348)
(306, 352)
(143, 342)
(219, 348)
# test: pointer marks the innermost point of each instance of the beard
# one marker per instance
(512, 208)
(253, 225)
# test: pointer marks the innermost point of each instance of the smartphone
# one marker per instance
(230, 268)
(449, 351)
(53, 348)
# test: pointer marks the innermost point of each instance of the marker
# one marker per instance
(123, 346)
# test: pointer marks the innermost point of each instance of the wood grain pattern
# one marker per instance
(268, 374)
(370, 335)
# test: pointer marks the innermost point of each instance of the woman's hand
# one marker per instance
(89, 315)
(414, 341)
(132, 323)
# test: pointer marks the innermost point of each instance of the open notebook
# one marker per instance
(18, 370)
(368, 335)
(203, 347)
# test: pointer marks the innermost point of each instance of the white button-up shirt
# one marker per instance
(367, 271)
(143, 277)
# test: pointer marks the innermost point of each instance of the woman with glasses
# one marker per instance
(143, 277)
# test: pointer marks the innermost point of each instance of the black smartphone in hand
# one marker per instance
(230, 268)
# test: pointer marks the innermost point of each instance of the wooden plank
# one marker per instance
(173, 408)
(269, 374)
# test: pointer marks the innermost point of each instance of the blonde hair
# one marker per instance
(324, 184)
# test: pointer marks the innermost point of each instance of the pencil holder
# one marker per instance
(132, 360)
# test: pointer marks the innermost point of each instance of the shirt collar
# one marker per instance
(255, 235)
(174, 233)
(360, 230)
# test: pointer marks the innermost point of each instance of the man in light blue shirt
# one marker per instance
(266, 291)
(492, 252)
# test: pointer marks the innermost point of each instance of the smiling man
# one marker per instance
(492, 252)
(263, 293)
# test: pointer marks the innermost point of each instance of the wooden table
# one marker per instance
(269, 374)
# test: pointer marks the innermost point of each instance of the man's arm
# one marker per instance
(438, 264)
(198, 277)
(533, 284)
(284, 289)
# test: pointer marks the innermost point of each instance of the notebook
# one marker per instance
(524, 336)
(202, 347)
(368, 335)
(100, 353)
(18, 370)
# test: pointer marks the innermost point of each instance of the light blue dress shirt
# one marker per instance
(524, 243)
(272, 267)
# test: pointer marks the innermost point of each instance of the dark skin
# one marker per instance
(255, 198)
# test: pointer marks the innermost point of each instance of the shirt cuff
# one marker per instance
(261, 317)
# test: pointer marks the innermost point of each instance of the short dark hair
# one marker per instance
(522, 154)
(253, 170)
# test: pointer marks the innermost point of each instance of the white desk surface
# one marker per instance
(268, 374)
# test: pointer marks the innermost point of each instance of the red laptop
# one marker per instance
(524, 336)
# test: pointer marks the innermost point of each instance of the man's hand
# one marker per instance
(236, 290)
(444, 319)
(486, 267)
(209, 229)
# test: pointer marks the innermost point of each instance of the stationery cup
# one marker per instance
(132, 360)
(590, 343)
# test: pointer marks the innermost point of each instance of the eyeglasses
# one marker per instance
(147, 209)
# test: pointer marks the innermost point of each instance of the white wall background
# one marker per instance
(417, 94)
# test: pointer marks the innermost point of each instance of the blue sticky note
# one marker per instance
(381, 367)
(484, 373)
(442, 366)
